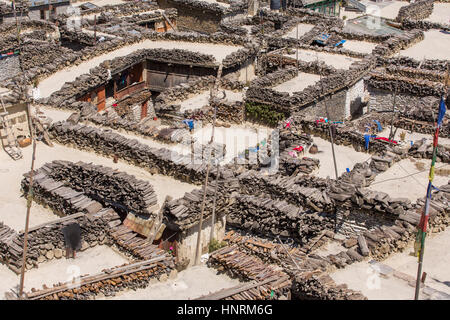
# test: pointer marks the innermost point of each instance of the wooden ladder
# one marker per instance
(8, 140)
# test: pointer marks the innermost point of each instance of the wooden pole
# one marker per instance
(29, 203)
(425, 214)
(329, 128)
(200, 224)
(95, 29)
(296, 54)
(30, 190)
(213, 216)
(393, 113)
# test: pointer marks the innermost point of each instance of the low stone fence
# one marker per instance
(418, 10)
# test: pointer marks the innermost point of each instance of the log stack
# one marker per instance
(247, 268)
(46, 242)
(108, 282)
(272, 218)
(107, 143)
(107, 185)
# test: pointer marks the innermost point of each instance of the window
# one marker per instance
(42, 14)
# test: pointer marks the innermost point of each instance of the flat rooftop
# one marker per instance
(359, 46)
(385, 9)
(100, 3)
(222, 4)
(371, 25)
(298, 83)
(441, 13)
(335, 60)
(435, 46)
(202, 99)
(302, 29)
(56, 81)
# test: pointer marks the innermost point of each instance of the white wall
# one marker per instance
(188, 243)
(355, 92)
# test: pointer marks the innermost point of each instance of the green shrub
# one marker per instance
(216, 245)
(263, 113)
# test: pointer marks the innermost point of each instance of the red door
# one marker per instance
(144, 108)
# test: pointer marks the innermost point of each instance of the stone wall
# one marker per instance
(202, 16)
(418, 10)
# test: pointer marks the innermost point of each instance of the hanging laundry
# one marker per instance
(367, 138)
(386, 139)
(189, 123)
(298, 148)
(287, 124)
(293, 154)
(380, 128)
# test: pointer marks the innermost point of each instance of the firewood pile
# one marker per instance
(410, 72)
(418, 10)
(300, 190)
(55, 195)
(348, 196)
(183, 213)
(132, 244)
(289, 257)
(162, 160)
(110, 281)
(106, 185)
(292, 165)
(412, 121)
(7, 236)
(239, 265)
(315, 285)
(423, 149)
(420, 87)
(272, 218)
(46, 242)
(398, 42)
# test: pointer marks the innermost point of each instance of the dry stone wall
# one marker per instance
(418, 10)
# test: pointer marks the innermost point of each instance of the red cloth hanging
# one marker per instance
(298, 148)
(386, 139)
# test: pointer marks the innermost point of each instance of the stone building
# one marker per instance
(38, 10)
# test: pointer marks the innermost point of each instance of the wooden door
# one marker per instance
(101, 98)
(144, 109)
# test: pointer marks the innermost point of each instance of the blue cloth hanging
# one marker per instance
(380, 128)
(367, 138)
(190, 123)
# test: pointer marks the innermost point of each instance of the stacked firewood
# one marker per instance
(110, 281)
(245, 267)
(183, 213)
(300, 190)
(315, 285)
(46, 242)
(61, 199)
(106, 185)
(107, 143)
(273, 218)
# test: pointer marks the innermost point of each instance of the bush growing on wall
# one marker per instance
(263, 113)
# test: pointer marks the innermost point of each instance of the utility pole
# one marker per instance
(95, 30)
(296, 54)
(202, 210)
(213, 216)
(329, 127)
(421, 234)
(393, 113)
(30, 190)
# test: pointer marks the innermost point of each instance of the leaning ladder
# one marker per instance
(8, 140)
